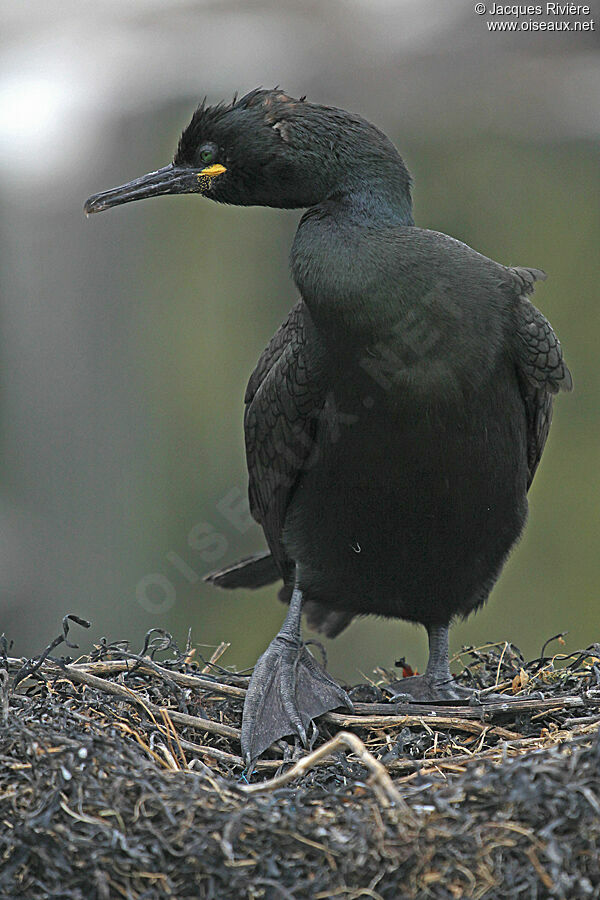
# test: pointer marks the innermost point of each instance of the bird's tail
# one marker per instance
(251, 572)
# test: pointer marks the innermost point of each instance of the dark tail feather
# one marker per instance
(323, 618)
(251, 572)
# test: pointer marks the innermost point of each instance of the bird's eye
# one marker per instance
(207, 154)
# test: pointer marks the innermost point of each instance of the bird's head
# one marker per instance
(268, 149)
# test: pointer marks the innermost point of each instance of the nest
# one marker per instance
(120, 776)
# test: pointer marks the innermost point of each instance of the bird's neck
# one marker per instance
(379, 201)
(343, 254)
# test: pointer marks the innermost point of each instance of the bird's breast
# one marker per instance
(399, 493)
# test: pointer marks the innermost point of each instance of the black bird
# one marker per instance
(396, 419)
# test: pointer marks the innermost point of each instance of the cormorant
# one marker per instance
(396, 419)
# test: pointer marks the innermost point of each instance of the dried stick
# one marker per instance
(111, 667)
(130, 696)
(432, 722)
(382, 783)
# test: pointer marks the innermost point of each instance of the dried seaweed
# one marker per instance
(120, 776)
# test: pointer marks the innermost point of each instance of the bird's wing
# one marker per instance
(284, 402)
(275, 348)
(542, 370)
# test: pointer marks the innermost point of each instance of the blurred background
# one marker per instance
(127, 339)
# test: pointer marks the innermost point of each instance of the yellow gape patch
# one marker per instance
(209, 172)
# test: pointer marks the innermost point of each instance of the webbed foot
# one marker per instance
(437, 684)
(287, 691)
(428, 689)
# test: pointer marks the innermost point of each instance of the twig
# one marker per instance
(130, 696)
(382, 783)
(504, 649)
(171, 734)
(111, 667)
(216, 656)
(346, 721)
(229, 758)
(484, 711)
(428, 765)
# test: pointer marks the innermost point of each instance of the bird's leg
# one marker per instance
(437, 684)
(438, 664)
(288, 689)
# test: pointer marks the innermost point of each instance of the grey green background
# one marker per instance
(127, 339)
